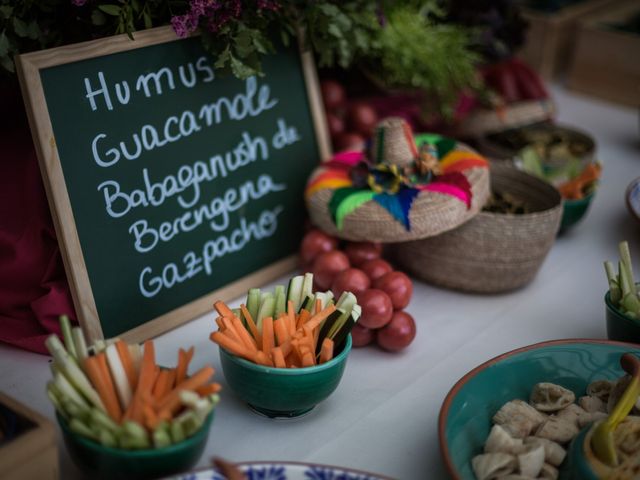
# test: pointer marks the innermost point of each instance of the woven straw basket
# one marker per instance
(492, 252)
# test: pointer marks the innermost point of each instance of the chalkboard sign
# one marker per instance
(170, 185)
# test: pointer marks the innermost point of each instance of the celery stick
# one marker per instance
(108, 439)
(99, 346)
(189, 422)
(281, 301)
(103, 421)
(177, 433)
(161, 438)
(625, 256)
(133, 429)
(188, 398)
(631, 303)
(53, 397)
(81, 428)
(625, 286)
(66, 389)
(253, 303)
(614, 288)
(79, 344)
(65, 325)
(72, 371)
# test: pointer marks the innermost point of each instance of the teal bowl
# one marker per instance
(100, 462)
(465, 416)
(574, 210)
(283, 392)
(619, 326)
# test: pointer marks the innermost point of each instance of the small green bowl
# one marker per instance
(619, 326)
(283, 392)
(100, 462)
(574, 210)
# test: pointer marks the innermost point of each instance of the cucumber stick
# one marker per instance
(281, 301)
(253, 303)
(294, 291)
(267, 309)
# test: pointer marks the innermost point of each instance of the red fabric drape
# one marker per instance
(33, 286)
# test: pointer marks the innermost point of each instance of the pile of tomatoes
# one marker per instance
(350, 122)
(382, 292)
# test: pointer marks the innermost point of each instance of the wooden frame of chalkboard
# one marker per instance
(48, 145)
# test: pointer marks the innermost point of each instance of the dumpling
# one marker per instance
(518, 418)
(549, 397)
(548, 472)
(557, 429)
(531, 461)
(499, 440)
(600, 389)
(591, 418)
(493, 465)
(616, 392)
(574, 413)
(554, 453)
(592, 404)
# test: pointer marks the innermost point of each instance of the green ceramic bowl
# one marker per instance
(619, 326)
(283, 392)
(100, 462)
(465, 416)
(574, 210)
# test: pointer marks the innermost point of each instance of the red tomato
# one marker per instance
(348, 141)
(362, 118)
(398, 286)
(376, 268)
(398, 333)
(351, 280)
(361, 336)
(377, 308)
(360, 252)
(326, 266)
(333, 94)
(314, 243)
(335, 124)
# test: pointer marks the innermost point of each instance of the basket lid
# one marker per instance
(404, 188)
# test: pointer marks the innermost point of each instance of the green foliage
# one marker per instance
(415, 52)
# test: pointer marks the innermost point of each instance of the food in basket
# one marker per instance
(116, 395)
(624, 292)
(529, 439)
(291, 329)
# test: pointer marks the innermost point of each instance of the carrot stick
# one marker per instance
(160, 386)
(222, 309)
(278, 358)
(145, 382)
(303, 316)
(232, 346)
(291, 315)
(318, 305)
(263, 359)
(230, 330)
(104, 387)
(246, 338)
(307, 356)
(219, 323)
(171, 383)
(281, 329)
(252, 325)
(208, 389)
(150, 418)
(127, 363)
(184, 358)
(318, 318)
(326, 351)
(171, 401)
(268, 342)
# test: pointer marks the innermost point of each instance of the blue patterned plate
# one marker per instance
(285, 471)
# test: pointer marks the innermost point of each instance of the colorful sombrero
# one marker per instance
(405, 188)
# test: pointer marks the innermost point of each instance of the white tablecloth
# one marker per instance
(383, 417)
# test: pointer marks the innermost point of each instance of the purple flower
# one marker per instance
(78, 3)
(179, 25)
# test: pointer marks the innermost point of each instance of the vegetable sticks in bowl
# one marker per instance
(116, 394)
(299, 330)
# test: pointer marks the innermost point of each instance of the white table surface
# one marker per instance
(383, 416)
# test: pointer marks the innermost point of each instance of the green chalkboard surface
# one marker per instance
(179, 182)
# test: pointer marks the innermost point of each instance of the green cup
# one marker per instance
(574, 210)
(100, 462)
(619, 326)
(283, 392)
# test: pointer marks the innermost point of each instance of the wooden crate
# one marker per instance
(32, 453)
(551, 36)
(607, 62)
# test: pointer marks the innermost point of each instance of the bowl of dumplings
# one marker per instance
(516, 415)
